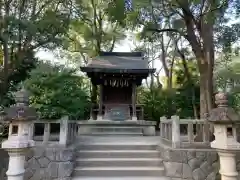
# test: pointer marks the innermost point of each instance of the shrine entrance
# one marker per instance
(116, 76)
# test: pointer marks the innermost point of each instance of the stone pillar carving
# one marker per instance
(18, 142)
(225, 120)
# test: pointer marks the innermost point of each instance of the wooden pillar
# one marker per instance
(93, 99)
(142, 113)
(99, 117)
(134, 116)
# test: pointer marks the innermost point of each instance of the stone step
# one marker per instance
(113, 133)
(116, 129)
(131, 140)
(118, 154)
(105, 122)
(120, 178)
(116, 146)
(118, 126)
(118, 162)
(118, 171)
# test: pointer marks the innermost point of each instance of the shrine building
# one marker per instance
(117, 75)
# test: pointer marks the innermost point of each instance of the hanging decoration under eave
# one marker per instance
(116, 83)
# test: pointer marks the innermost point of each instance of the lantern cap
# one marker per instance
(223, 114)
(21, 110)
(21, 96)
(221, 99)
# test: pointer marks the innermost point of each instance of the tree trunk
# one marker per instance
(203, 90)
(4, 83)
(204, 52)
(206, 90)
(206, 65)
(206, 95)
(164, 62)
(170, 75)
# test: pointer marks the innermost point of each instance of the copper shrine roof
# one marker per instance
(118, 60)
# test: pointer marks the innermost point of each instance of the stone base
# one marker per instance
(149, 131)
(49, 163)
(134, 118)
(189, 164)
(99, 118)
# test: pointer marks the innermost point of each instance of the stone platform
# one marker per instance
(117, 128)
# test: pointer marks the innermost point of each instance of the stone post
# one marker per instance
(190, 132)
(63, 137)
(225, 120)
(31, 131)
(176, 142)
(206, 132)
(18, 142)
(162, 130)
(46, 135)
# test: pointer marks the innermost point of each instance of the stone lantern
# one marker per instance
(18, 143)
(225, 120)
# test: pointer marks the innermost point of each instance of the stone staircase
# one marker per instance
(106, 130)
(116, 128)
(118, 157)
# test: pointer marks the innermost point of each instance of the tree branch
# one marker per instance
(113, 44)
(224, 4)
(168, 30)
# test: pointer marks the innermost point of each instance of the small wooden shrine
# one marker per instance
(117, 74)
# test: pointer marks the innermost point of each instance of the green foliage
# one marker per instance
(178, 71)
(92, 29)
(155, 103)
(57, 91)
(164, 102)
(227, 75)
(187, 97)
(234, 100)
(27, 26)
(116, 11)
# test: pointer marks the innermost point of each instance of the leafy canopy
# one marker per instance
(26, 26)
(91, 29)
(57, 91)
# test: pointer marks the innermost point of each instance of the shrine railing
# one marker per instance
(139, 109)
(184, 133)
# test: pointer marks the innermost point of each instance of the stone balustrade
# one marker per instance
(166, 128)
(66, 135)
(182, 133)
(51, 158)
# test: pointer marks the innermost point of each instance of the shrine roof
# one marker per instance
(123, 61)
